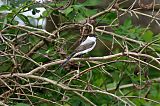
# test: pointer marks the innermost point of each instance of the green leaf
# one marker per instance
(33, 40)
(4, 8)
(21, 104)
(127, 22)
(66, 104)
(91, 2)
(68, 10)
(4, 22)
(147, 36)
(89, 12)
(23, 18)
(157, 37)
(77, 7)
(99, 82)
(47, 13)
(79, 17)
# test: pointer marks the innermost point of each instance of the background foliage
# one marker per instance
(125, 70)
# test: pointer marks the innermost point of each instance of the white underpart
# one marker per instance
(88, 40)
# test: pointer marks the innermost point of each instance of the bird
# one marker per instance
(86, 46)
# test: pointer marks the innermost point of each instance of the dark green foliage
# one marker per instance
(106, 82)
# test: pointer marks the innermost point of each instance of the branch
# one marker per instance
(45, 66)
(125, 38)
(2, 104)
(63, 86)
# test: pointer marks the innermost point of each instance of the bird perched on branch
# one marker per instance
(86, 46)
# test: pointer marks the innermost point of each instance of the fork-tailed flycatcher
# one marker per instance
(85, 47)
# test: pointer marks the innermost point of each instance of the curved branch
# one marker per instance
(99, 58)
(63, 86)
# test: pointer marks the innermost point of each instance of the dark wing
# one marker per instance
(78, 49)
(84, 47)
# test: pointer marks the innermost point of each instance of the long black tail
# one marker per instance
(65, 62)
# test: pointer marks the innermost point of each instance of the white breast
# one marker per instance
(88, 40)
